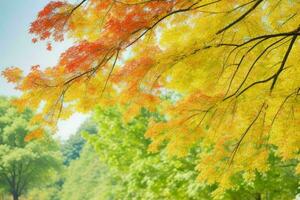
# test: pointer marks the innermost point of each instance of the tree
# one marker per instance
(235, 63)
(72, 147)
(140, 174)
(23, 164)
(87, 178)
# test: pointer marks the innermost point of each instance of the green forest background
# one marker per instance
(107, 159)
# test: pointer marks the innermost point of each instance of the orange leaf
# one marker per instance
(13, 74)
(37, 133)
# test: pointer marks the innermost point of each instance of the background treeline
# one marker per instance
(108, 159)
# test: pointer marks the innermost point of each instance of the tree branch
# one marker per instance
(240, 18)
(284, 60)
(244, 134)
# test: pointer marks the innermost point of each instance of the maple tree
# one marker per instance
(234, 62)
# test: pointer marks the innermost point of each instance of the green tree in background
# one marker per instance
(88, 179)
(80, 174)
(142, 175)
(24, 164)
(72, 147)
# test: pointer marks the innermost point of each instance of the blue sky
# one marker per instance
(16, 49)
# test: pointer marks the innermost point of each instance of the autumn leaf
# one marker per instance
(13, 74)
(35, 134)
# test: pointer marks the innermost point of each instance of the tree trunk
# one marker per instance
(258, 196)
(15, 196)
